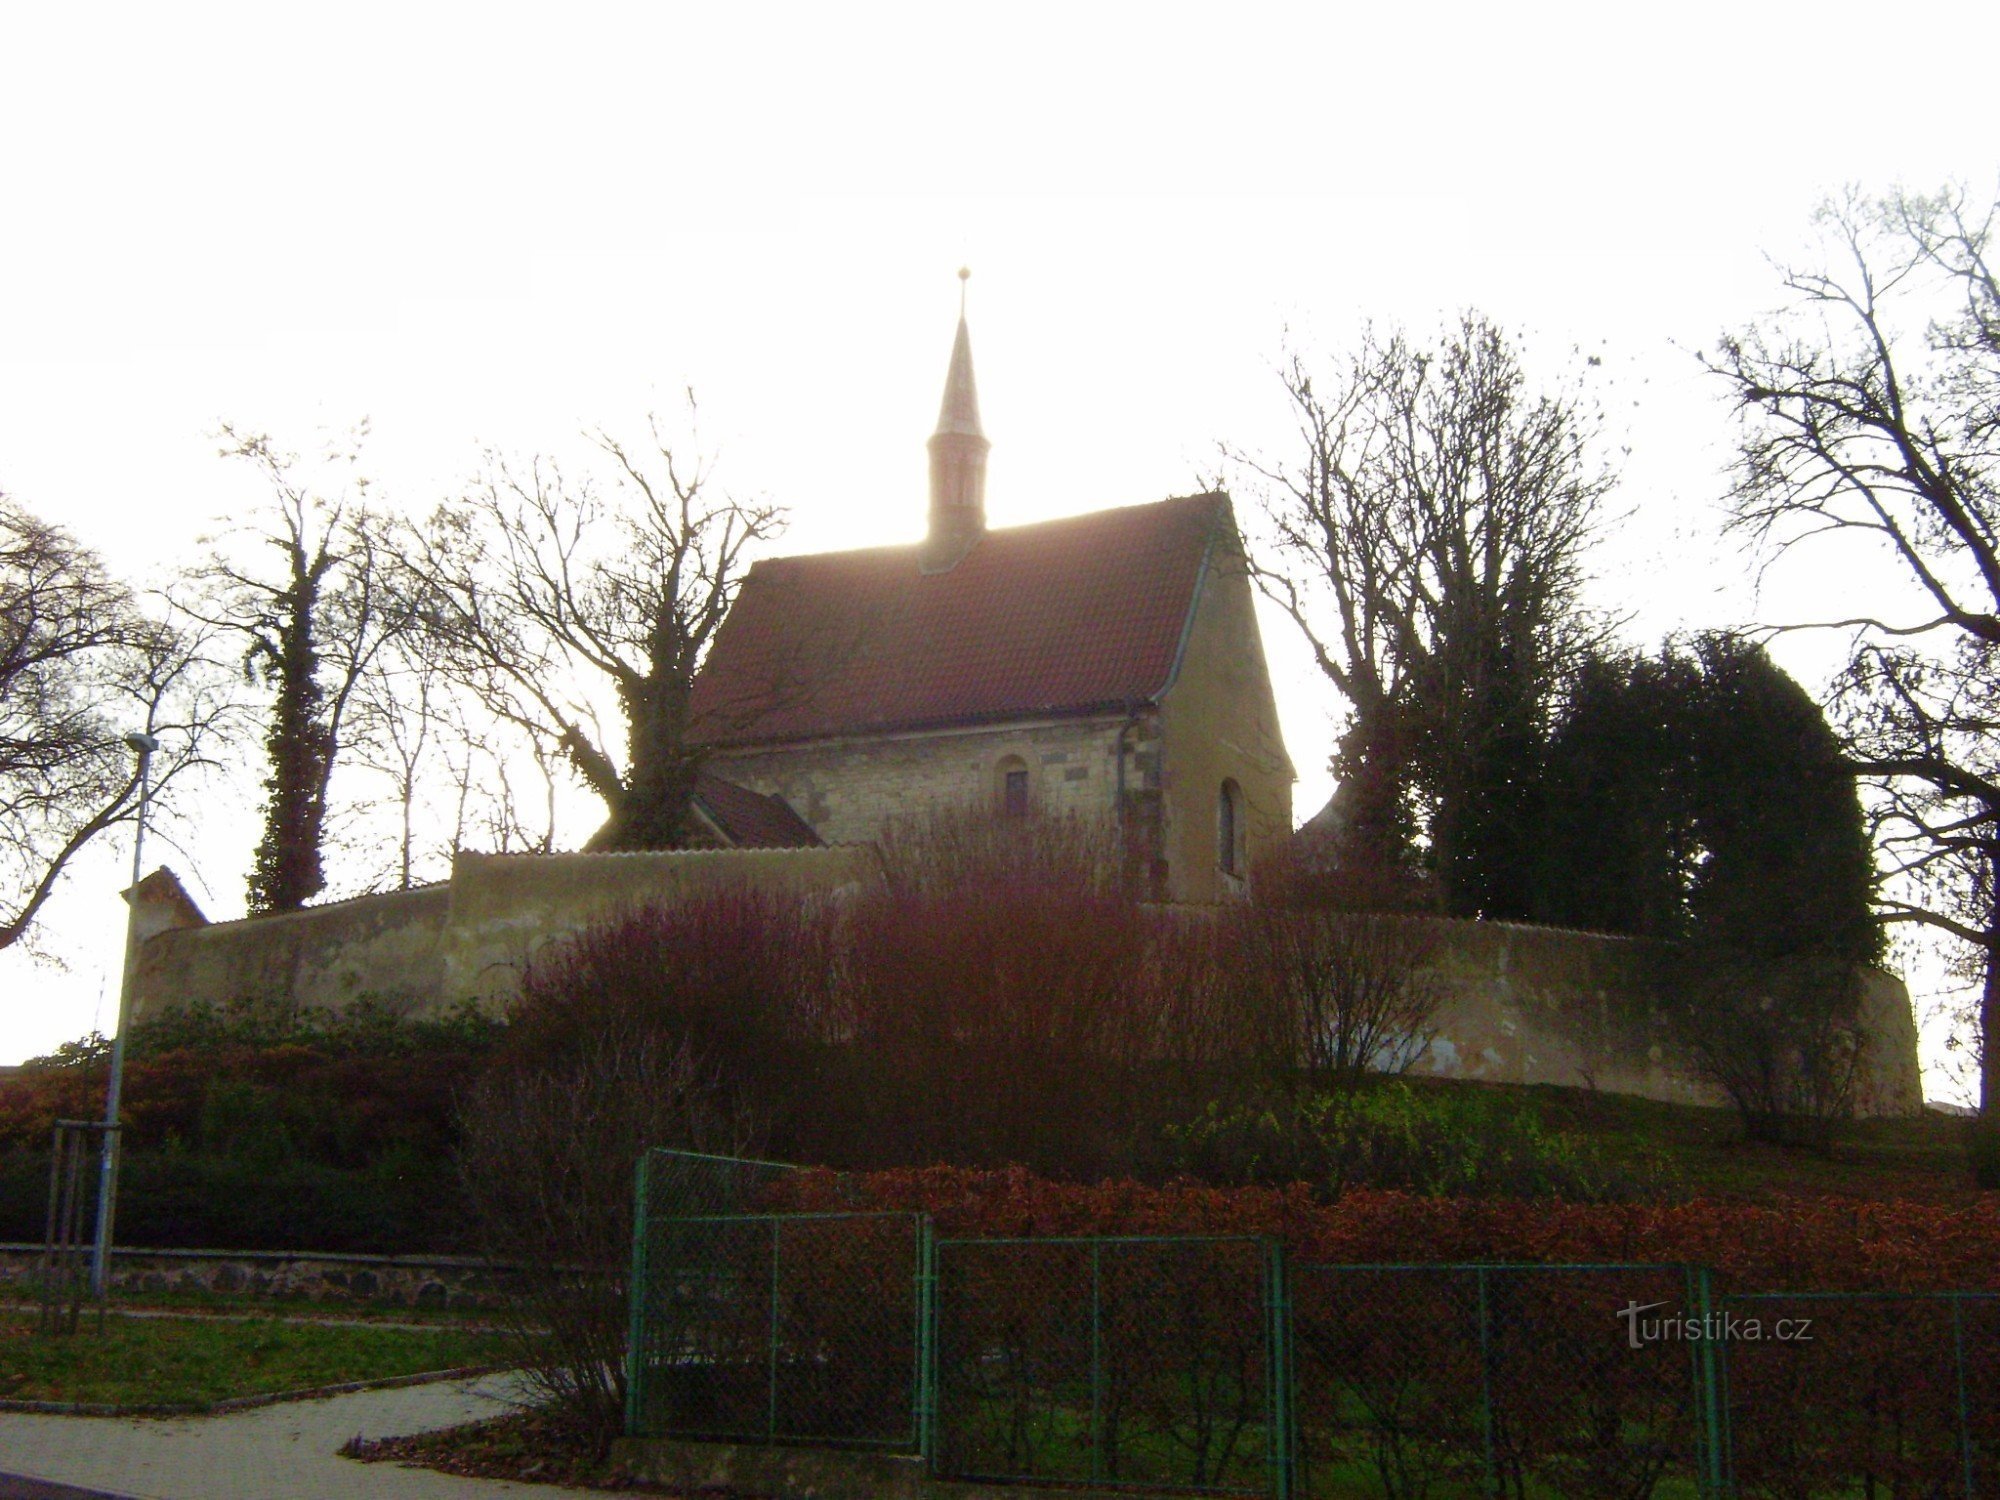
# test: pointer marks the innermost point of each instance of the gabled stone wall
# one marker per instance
(849, 790)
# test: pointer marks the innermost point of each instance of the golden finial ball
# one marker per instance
(965, 273)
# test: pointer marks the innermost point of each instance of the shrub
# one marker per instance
(1330, 997)
(1430, 1141)
(248, 1128)
(176, 1199)
(547, 1161)
(742, 977)
(1003, 1023)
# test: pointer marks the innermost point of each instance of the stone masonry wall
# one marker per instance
(504, 907)
(429, 1282)
(1219, 722)
(848, 789)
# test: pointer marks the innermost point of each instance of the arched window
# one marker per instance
(1011, 786)
(1229, 829)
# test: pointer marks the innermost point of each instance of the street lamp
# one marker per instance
(143, 746)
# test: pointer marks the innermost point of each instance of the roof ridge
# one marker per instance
(886, 549)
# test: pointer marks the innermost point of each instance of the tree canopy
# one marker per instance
(81, 667)
(1870, 423)
(1428, 535)
(1700, 795)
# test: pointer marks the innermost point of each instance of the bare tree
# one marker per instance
(1428, 540)
(1871, 413)
(542, 592)
(400, 718)
(81, 666)
(1334, 996)
(304, 593)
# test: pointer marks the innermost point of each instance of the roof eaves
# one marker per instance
(942, 721)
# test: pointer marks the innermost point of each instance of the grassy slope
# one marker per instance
(1913, 1158)
(175, 1361)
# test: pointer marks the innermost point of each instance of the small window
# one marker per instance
(1015, 798)
(1013, 773)
(1229, 829)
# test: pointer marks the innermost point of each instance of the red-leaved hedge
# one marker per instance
(1802, 1244)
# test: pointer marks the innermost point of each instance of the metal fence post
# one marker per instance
(1486, 1387)
(771, 1426)
(927, 1317)
(635, 1299)
(1278, 1369)
(1096, 1362)
(1964, 1410)
(1709, 1358)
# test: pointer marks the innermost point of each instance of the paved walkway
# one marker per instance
(284, 1452)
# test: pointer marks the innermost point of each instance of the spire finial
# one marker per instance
(958, 457)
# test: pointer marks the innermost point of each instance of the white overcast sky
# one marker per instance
(494, 226)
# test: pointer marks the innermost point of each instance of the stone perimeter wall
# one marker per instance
(1543, 1005)
(464, 941)
(1522, 1004)
(431, 1282)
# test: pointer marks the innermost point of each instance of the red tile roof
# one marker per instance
(1069, 616)
(751, 820)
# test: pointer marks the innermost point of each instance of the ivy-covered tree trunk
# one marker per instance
(288, 872)
(653, 808)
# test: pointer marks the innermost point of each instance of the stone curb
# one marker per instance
(243, 1403)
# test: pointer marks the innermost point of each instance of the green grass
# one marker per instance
(1922, 1157)
(198, 1361)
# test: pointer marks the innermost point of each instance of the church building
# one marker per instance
(1106, 664)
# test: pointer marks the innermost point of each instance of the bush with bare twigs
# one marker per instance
(547, 1159)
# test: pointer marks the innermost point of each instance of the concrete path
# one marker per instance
(284, 1452)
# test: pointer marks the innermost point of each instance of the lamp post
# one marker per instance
(142, 745)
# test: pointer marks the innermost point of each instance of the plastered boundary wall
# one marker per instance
(1521, 1004)
(1545, 1005)
(463, 941)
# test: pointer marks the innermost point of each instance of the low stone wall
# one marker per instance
(430, 1282)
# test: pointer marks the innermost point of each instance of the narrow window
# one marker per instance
(1010, 786)
(1228, 829)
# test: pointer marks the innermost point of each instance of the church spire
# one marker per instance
(958, 459)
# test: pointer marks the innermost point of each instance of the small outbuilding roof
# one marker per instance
(751, 820)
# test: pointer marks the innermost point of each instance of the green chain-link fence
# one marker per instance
(1212, 1364)
(783, 1327)
(1872, 1394)
(1129, 1362)
(770, 1327)
(1430, 1380)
